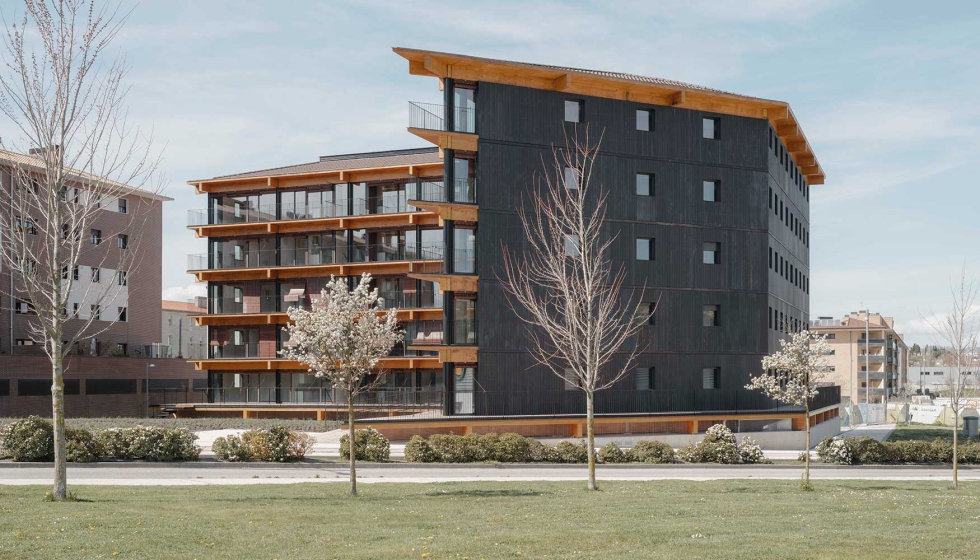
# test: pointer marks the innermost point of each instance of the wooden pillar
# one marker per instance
(692, 426)
(577, 430)
(798, 423)
(321, 415)
(467, 429)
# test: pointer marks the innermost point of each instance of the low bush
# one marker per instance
(750, 453)
(720, 446)
(418, 450)
(275, 445)
(835, 450)
(146, 443)
(568, 452)
(868, 450)
(80, 446)
(231, 448)
(538, 452)
(30, 439)
(864, 451)
(450, 448)
(611, 453)
(513, 448)
(652, 451)
(369, 445)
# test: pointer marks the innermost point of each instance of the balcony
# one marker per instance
(244, 351)
(462, 278)
(871, 341)
(428, 121)
(871, 359)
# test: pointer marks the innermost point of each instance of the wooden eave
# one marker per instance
(462, 67)
(447, 140)
(450, 354)
(272, 181)
(371, 221)
(449, 210)
(314, 271)
(263, 364)
(449, 282)
(235, 319)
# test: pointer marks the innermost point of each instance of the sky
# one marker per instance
(886, 93)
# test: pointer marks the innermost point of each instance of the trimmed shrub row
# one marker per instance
(720, 446)
(866, 450)
(514, 448)
(32, 439)
(278, 444)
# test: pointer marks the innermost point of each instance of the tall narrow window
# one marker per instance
(573, 110)
(572, 176)
(710, 191)
(710, 315)
(571, 245)
(96, 312)
(122, 314)
(645, 314)
(644, 184)
(123, 207)
(644, 120)
(121, 279)
(571, 382)
(711, 378)
(711, 253)
(710, 128)
(122, 241)
(96, 275)
(646, 249)
(645, 378)
(96, 237)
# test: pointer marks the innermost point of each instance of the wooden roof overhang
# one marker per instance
(450, 354)
(314, 271)
(370, 221)
(449, 210)
(264, 364)
(235, 319)
(285, 181)
(462, 67)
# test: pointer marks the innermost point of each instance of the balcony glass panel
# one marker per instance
(465, 321)
(464, 253)
(464, 107)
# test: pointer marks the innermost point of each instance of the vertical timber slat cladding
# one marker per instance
(520, 126)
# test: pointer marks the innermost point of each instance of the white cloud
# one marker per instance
(185, 293)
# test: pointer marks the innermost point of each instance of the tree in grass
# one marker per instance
(65, 104)
(958, 331)
(793, 376)
(583, 328)
(342, 339)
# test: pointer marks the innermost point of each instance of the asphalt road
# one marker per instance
(211, 473)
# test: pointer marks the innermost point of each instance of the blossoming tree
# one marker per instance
(796, 371)
(342, 339)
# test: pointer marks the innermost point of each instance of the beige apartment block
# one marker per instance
(868, 359)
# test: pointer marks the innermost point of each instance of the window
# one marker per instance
(122, 314)
(121, 278)
(645, 379)
(571, 245)
(770, 317)
(646, 249)
(572, 177)
(96, 312)
(42, 387)
(96, 237)
(122, 206)
(710, 315)
(711, 378)
(710, 191)
(709, 128)
(644, 184)
(25, 342)
(711, 253)
(4, 387)
(646, 314)
(831, 336)
(110, 387)
(644, 120)
(96, 275)
(23, 308)
(122, 241)
(571, 382)
(573, 110)
(121, 348)
(28, 224)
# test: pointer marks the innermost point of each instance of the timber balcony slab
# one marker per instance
(371, 221)
(450, 354)
(240, 184)
(281, 318)
(449, 282)
(312, 271)
(448, 140)
(449, 211)
(266, 364)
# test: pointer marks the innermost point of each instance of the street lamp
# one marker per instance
(146, 389)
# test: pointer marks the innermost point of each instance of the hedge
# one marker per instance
(369, 445)
(866, 450)
(32, 439)
(720, 446)
(514, 448)
(277, 444)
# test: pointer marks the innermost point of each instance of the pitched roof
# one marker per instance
(184, 306)
(32, 161)
(387, 158)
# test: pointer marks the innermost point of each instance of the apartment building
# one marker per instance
(707, 196)
(869, 360)
(181, 334)
(105, 373)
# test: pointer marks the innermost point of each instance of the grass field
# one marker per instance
(922, 432)
(677, 520)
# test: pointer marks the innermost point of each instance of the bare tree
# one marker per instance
(342, 339)
(564, 286)
(82, 157)
(957, 330)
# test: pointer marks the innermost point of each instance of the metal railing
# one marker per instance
(425, 299)
(235, 351)
(424, 333)
(431, 116)
(244, 305)
(267, 258)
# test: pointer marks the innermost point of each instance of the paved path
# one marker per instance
(223, 473)
(878, 431)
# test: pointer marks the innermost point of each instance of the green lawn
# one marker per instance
(922, 432)
(677, 520)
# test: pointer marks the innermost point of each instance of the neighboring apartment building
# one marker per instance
(181, 334)
(869, 360)
(708, 196)
(935, 379)
(104, 373)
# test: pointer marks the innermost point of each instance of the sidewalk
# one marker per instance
(878, 431)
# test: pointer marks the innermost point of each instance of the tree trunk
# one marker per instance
(350, 425)
(806, 421)
(590, 428)
(60, 488)
(956, 473)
